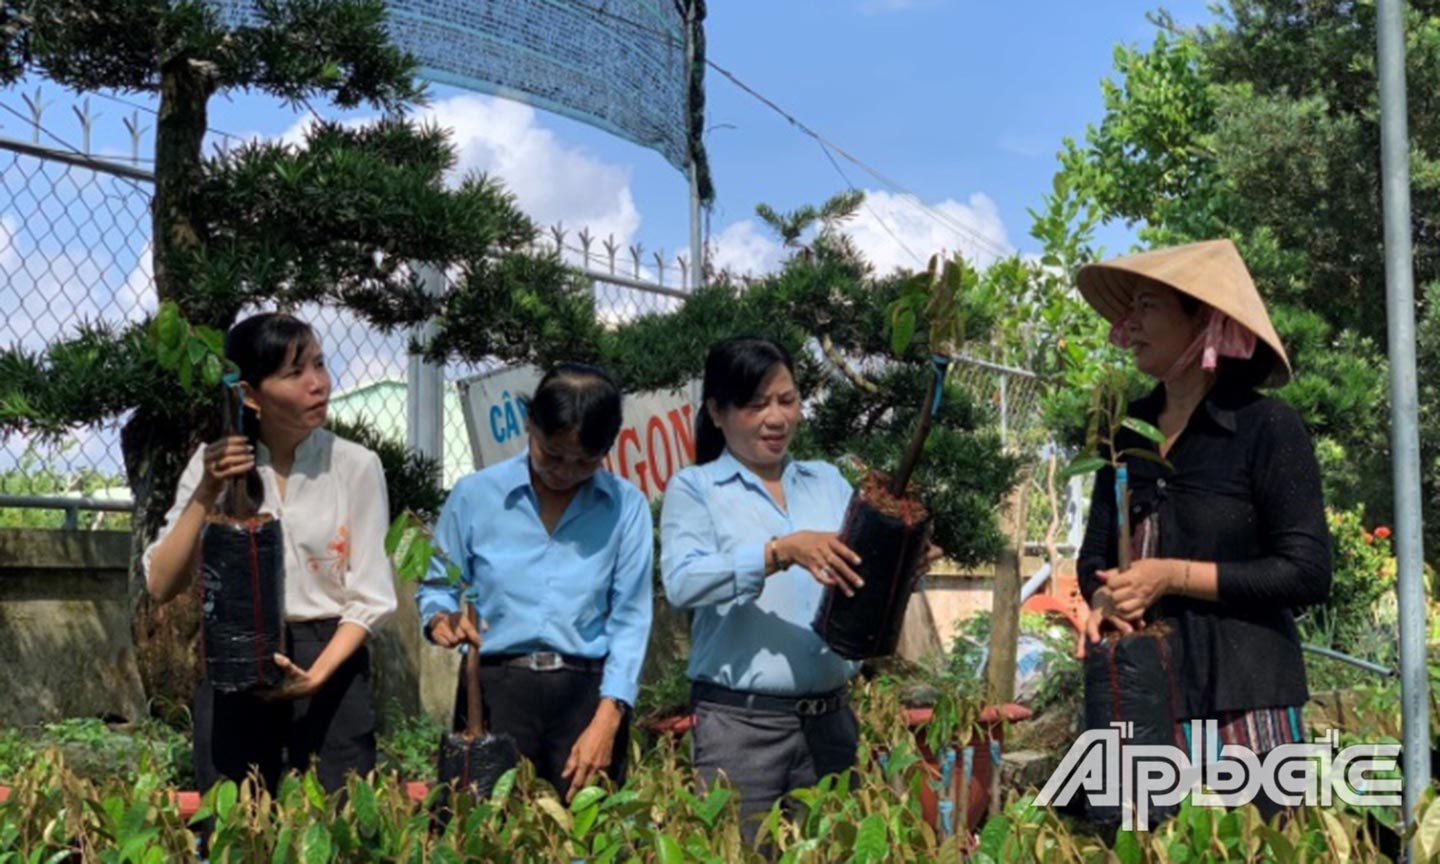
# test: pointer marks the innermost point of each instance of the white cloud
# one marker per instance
(744, 249)
(890, 231)
(889, 228)
(552, 183)
(136, 298)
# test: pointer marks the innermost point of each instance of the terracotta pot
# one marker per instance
(188, 802)
(981, 770)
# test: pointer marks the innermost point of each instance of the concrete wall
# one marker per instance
(68, 648)
(949, 599)
(65, 627)
(66, 637)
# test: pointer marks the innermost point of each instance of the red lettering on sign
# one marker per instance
(657, 425)
(683, 427)
(632, 471)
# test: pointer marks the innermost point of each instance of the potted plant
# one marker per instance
(473, 760)
(1128, 678)
(242, 559)
(887, 524)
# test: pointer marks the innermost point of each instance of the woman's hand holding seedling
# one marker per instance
(229, 457)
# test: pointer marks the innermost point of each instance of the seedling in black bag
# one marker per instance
(242, 561)
(1129, 678)
(1109, 407)
(887, 524)
(472, 760)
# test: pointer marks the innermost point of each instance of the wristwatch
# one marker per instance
(620, 704)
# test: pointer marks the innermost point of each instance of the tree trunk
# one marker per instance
(155, 448)
(185, 89)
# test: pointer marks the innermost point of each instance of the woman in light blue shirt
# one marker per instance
(748, 541)
(560, 554)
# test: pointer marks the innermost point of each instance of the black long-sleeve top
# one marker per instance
(1243, 490)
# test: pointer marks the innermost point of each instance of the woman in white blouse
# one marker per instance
(330, 494)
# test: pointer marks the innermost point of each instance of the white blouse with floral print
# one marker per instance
(334, 516)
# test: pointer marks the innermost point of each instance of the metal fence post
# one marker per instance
(1404, 403)
(425, 389)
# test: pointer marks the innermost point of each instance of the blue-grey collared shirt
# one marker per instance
(584, 590)
(750, 632)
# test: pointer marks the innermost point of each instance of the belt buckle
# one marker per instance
(810, 707)
(545, 661)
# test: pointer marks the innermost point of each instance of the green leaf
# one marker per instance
(503, 786)
(1082, 465)
(587, 797)
(1127, 847)
(169, 328)
(316, 848)
(714, 804)
(365, 810)
(902, 330)
(225, 795)
(195, 350)
(668, 849)
(187, 376)
(1280, 846)
(1146, 431)
(212, 371)
(584, 821)
(870, 842)
(396, 532)
(314, 792)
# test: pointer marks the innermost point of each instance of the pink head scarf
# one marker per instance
(1223, 336)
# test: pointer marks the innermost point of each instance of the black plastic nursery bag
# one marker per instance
(243, 585)
(1131, 679)
(891, 552)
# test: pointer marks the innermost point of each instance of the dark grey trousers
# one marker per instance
(767, 755)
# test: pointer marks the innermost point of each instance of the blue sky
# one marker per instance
(963, 102)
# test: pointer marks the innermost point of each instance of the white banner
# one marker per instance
(656, 438)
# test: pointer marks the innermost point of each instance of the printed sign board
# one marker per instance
(656, 438)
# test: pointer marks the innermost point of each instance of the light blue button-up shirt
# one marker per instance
(750, 632)
(584, 590)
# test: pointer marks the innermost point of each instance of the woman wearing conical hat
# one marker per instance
(1230, 539)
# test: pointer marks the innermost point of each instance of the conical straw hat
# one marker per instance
(1211, 272)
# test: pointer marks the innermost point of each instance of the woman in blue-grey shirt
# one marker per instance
(748, 541)
(559, 553)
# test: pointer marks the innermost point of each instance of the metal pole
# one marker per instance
(425, 390)
(1404, 403)
(697, 248)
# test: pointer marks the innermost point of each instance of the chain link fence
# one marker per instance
(75, 247)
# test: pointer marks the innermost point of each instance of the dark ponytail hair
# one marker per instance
(733, 372)
(260, 345)
(581, 397)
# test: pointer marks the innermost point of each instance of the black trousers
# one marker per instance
(545, 712)
(236, 733)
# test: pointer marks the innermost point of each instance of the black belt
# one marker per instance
(544, 661)
(815, 705)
